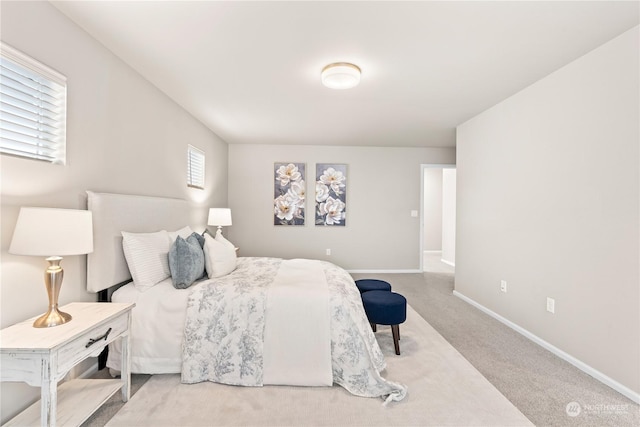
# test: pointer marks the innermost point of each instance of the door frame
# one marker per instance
(424, 167)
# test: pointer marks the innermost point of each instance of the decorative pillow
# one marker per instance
(200, 238)
(186, 261)
(146, 255)
(219, 256)
(184, 232)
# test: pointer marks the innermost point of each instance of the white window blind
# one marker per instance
(195, 167)
(33, 104)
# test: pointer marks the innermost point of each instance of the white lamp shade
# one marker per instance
(52, 232)
(219, 216)
(341, 75)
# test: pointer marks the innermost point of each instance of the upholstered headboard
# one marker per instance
(114, 213)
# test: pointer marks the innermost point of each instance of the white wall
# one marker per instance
(548, 194)
(123, 135)
(383, 187)
(449, 216)
(432, 209)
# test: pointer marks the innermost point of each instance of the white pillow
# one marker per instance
(184, 232)
(147, 257)
(219, 255)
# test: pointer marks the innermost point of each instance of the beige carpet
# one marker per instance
(444, 390)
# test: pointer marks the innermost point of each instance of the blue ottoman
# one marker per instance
(366, 285)
(386, 308)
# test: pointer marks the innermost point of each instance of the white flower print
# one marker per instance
(322, 192)
(332, 210)
(287, 174)
(334, 179)
(297, 192)
(331, 194)
(289, 194)
(285, 208)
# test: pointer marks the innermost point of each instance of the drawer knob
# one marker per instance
(92, 341)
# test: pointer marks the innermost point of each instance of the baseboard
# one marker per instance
(89, 372)
(452, 264)
(385, 271)
(620, 388)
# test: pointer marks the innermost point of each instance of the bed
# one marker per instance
(267, 321)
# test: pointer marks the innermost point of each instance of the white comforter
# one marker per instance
(297, 338)
(356, 359)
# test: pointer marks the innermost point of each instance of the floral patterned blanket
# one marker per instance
(223, 337)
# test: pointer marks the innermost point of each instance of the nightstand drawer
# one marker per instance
(92, 342)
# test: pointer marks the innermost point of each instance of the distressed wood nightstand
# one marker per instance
(43, 356)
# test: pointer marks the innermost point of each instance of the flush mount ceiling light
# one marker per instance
(341, 75)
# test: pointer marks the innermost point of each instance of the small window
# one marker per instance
(195, 167)
(33, 108)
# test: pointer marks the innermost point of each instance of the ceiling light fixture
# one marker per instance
(341, 75)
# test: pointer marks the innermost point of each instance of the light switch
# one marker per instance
(414, 214)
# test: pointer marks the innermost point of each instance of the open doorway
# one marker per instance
(438, 219)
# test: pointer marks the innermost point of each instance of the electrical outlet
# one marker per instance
(503, 285)
(328, 251)
(551, 305)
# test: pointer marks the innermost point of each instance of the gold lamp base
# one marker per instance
(53, 317)
(53, 282)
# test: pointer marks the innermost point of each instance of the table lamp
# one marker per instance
(52, 233)
(220, 217)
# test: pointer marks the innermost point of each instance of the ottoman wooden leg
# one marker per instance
(373, 327)
(395, 329)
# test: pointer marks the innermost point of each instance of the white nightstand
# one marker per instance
(43, 356)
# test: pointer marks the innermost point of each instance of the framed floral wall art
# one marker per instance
(331, 194)
(289, 193)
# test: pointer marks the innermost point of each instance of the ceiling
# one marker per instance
(250, 71)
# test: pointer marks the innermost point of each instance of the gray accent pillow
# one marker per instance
(186, 262)
(199, 237)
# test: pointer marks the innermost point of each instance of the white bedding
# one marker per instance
(157, 326)
(297, 320)
(157, 329)
(214, 331)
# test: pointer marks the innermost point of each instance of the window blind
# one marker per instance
(33, 104)
(195, 167)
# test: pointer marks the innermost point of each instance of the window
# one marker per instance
(195, 167)
(33, 104)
